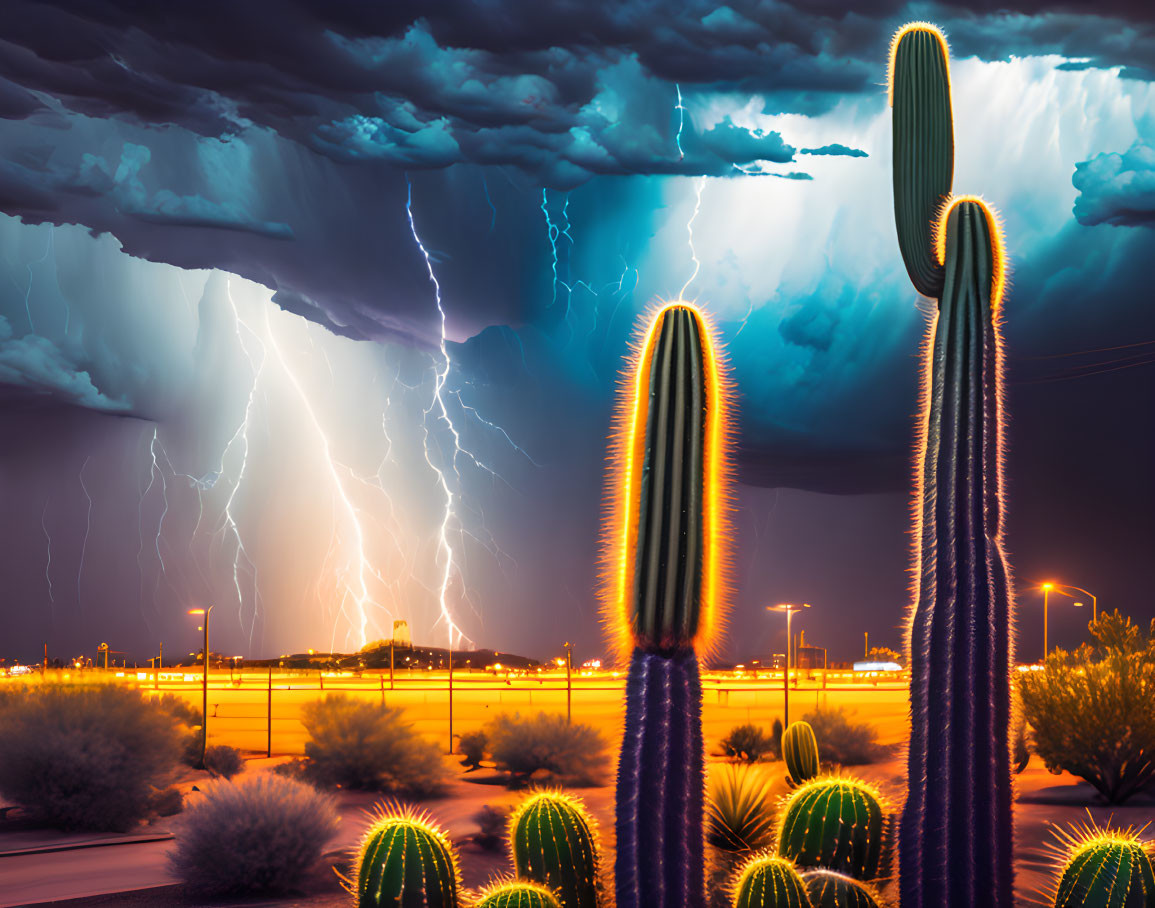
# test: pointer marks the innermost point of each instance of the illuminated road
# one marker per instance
(238, 707)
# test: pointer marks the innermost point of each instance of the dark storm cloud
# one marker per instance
(543, 87)
(1117, 189)
(835, 149)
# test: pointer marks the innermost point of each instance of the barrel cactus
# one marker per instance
(800, 751)
(1104, 868)
(405, 861)
(517, 894)
(829, 889)
(955, 836)
(665, 579)
(554, 844)
(836, 823)
(768, 881)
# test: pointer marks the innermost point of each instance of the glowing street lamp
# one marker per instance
(789, 609)
(1048, 588)
(205, 684)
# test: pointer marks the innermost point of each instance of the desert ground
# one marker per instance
(46, 867)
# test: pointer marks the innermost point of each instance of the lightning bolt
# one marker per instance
(701, 184)
(87, 529)
(358, 589)
(681, 109)
(441, 373)
(48, 563)
(555, 232)
(228, 522)
(28, 291)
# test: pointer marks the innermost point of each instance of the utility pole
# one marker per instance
(451, 689)
(866, 644)
(568, 683)
(269, 714)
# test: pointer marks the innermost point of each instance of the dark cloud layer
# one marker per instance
(1117, 189)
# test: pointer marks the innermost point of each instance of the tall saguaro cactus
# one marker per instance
(955, 836)
(665, 576)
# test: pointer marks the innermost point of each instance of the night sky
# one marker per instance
(222, 375)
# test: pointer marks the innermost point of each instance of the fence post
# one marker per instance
(381, 678)
(269, 714)
(321, 677)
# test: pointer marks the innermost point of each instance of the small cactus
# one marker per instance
(405, 861)
(554, 844)
(828, 889)
(800, 751)
(835, 823)
(517, 894)
(1104, 868)
(768, 881)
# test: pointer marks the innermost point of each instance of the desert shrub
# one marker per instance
(1090, 710)
(545, 747)
(472, 747)
(739, 809)
(747, 743)
(260, 834)
(361, 744)
(167, 802)
(841, 740)
(188, 717)
(85, 756)
(492, 828)
(224, 761)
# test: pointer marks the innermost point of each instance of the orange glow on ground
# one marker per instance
(626, 457)
(994, 225)
(930, 29)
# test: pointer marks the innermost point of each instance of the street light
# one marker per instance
(1047, 589)
(789, 609)
(205, 684)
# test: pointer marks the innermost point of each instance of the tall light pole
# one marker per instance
(205, 683)
(1047, 587)
(789, 609)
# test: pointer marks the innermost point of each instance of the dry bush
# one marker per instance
(262, 834)
(842, 740)
(748, 744)
(360, 744)
(1091, 710)
(546, 747)
(82, 756)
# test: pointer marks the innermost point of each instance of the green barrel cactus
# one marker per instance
(923, 133)
(800, 751)
(1106, 869)
(406, 861)
(554, 844)
(835, 823)
(517, 894)
(767, 881)
(828, 889)
(956, 832)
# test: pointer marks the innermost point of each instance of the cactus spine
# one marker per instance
(800, 751)
(517, 894)
(664, 583)
(956, 830)
(553, 844)
(828, 889)
(834, 823)
(1103, 868)
(405, 861)
(769, 882)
